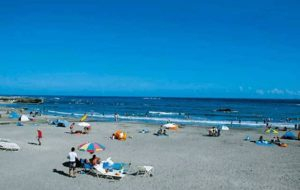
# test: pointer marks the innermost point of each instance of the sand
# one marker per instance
(187, 159)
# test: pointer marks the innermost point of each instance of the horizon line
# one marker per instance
(174, 97)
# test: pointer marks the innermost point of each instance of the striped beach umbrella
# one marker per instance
(91, 147)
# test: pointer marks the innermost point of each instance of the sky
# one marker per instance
(217, 48)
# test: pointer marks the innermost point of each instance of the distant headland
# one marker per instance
(18, 99)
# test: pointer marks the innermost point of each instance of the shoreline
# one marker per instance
(45, 117)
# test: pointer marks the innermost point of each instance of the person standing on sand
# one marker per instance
(72, 128)
(72, 156)
(39, 136)
(116, 117)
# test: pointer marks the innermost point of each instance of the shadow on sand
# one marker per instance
(61, 172)
(33, 143)
(66, 164)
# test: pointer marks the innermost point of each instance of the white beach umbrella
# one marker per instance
(84, 124)
(170, 126)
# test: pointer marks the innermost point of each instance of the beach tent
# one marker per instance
(171, 126)
(225, 128)
(14, 115)
(24, 118)
(289, 135)
(120, 135)
(62, 123)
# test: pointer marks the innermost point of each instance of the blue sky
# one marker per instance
(151, 48)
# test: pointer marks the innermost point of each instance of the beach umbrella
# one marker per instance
(91, 147)
(171, 126)
(84, 124)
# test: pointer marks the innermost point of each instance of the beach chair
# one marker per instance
(109, 169)
(100, 171)
(145, 171)
(87, 167)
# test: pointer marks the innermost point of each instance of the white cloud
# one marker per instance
(276, 91)
(260, 92)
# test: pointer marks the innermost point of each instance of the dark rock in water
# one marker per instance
(224, 110)
(29, 100)
(23, 100)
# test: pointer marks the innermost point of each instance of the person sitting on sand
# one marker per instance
(213, 131)
(78, 132)
(72, 128)
(277, 140)
(160, 131)
(273, 140)
(95, 160)
(165, 132)
(261, 139)
(210, 132)
(113, 136)
(88, 128)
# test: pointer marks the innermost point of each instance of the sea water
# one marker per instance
(185, 111)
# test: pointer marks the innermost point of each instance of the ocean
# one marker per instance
(185, 111)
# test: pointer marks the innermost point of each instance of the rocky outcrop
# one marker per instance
(22, 100)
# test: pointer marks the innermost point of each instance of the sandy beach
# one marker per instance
(186, 159)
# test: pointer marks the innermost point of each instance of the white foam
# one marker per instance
(163, 113)
(178, 120)
(58, 112)
(151, 98)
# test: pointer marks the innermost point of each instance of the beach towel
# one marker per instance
(114, 166)
(144, 131)
(263, 143)
(9, 146)
(19, 124)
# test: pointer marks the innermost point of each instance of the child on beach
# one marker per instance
(39, 136)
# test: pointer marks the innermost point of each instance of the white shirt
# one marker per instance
(72, 156)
